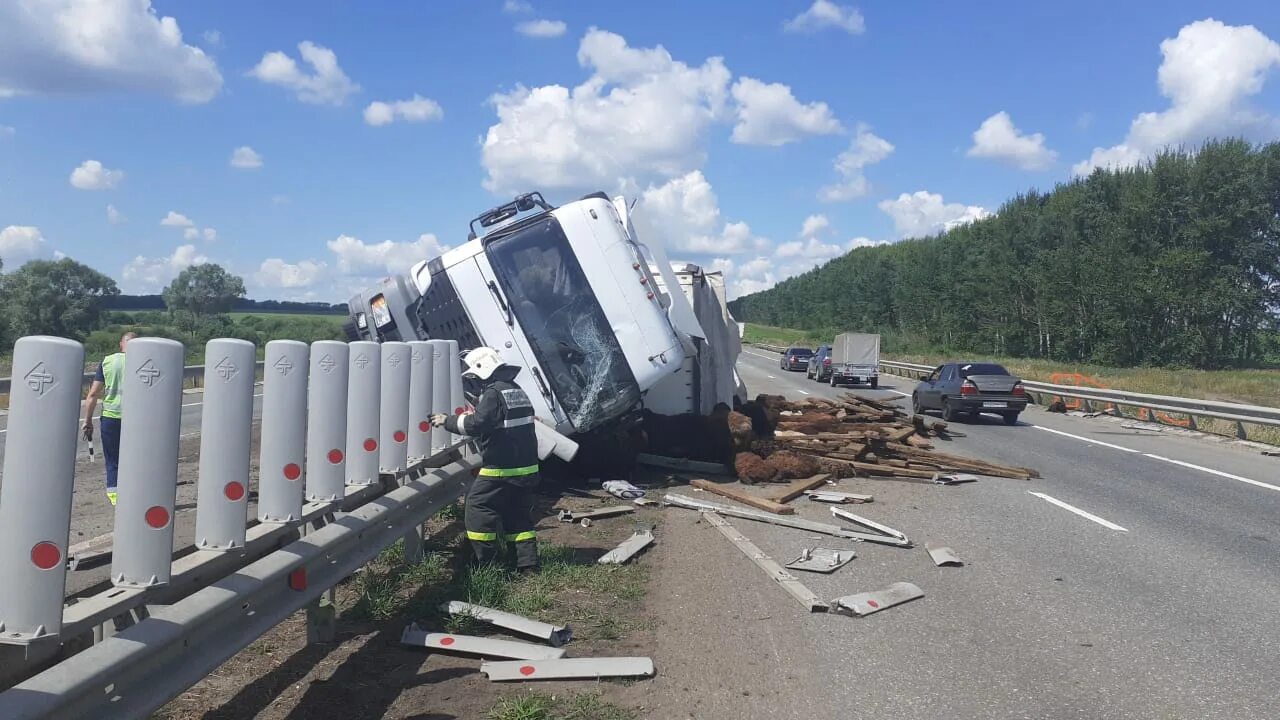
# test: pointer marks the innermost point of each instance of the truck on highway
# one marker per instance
(854, 358)
(571, 295)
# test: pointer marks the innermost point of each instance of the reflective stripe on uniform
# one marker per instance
(112, 379)
(509, 472)
(518, 422)
(525, 536)
(481, 536)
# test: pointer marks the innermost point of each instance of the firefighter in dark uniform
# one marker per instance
(502, 425)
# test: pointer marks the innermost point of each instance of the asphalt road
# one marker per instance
(1055, 615)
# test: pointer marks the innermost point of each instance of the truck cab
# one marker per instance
(565, 293)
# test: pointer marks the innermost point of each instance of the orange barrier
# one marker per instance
(1144, 414)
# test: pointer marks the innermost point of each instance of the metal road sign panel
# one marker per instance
(629, 547)
(152, 407)
(557, 635)
(758, 516)
(226, 431)
(440, 391)
(821, 560)
(393, 418)
(830, 496)
(35, 499)
(363, 392)
(568, 668)
(953, 478)
(585, 517)
(457, 399)
(883, 529)
(421, 369)
(803, 595)
(869, 602)
(327, 421)
(284, 432)
(482, 646)
(943, 556)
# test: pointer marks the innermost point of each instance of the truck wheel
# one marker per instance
(875, 383)
(947, 413)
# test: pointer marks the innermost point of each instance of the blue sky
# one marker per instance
(728, 121)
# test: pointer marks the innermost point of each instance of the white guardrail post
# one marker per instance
(363, 392)
(327, 421)
(35, 500)
(148, 485)
(226, 432)
(393, 408)
(284, 432)
(441, 390)
(421, 377)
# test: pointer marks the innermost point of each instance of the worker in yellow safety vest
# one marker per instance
(109, 378)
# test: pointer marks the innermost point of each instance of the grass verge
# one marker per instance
(540, 706)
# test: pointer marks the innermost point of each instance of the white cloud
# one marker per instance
(861, 242)
(176, 219)
(647, 111)
(415, 109)
(516, 6)
(998, 139)
(924, 213)
(245, 158)
(276, 273)
(77, 46)
(92, 175)
(685, 214)
(744, 278)
(326, 84)
(114, 216)
(542, 28)
(149, 275)
(814, 225)
(823, 14)
(20, 243)
(191, 234)
(1209, 72)
(865, 149)
(7, 131)
(209, 234)
(768, 114)
(212, 38)
(808, 248)
(361, 259)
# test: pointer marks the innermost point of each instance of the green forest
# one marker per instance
(1174, 263)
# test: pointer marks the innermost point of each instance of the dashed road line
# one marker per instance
(1211, 471)
(1084, 439)
(1078, 511)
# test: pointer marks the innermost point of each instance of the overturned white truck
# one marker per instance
(574, 297)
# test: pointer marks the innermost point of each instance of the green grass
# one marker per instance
(335, 319)
(769, 335)
(533, 705)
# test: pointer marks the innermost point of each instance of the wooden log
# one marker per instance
(883, 470)
(796, 488)
(743, 497)
(898, 436)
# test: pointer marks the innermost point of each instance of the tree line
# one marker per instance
(156, 302)
(68, 299)
(1172, 263)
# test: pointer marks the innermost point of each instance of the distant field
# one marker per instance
(335, 319)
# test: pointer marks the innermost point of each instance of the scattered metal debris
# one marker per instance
(585, 518)
(568, 668)
(557, 635)
(831, 496)
(672, 463)
(472, 645)
(629, 547)
(1141, 426)
(646, 502)
(887, 536)
(822, 560)
(802, 594)
(1271, 453)
(953, 478)
(943, 556)
(797, 523)
(866, 603)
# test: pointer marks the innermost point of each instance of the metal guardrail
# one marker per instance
(338, 482)
(1192, 408)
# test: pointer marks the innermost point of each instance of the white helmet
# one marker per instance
(482, 362)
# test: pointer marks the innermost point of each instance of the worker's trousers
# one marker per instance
(110, 447)
(498, 506)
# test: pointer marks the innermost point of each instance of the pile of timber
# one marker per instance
(850, 437)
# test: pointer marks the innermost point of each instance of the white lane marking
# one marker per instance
(806, 392)
(770, 376)
(202, 402)
(899, 392)
(1211, 471)
(1078, 511)
(1083, 439)
(766, 357)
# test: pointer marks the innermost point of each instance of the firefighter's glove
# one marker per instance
(437, 420)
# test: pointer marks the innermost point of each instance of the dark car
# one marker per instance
(796, 358)
(820, 364)
(971, 388)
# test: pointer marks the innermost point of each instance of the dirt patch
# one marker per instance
(367, 673)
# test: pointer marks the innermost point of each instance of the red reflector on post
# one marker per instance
(45, 555)
(298, 580)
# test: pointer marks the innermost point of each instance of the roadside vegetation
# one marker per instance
(1170, 264)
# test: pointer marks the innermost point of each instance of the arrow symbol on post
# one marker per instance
(417, 356)
(283, 366)
(394, 361)
(148, 373)
(326, 363)
(362, 361)
(39, 379)
(225, 369)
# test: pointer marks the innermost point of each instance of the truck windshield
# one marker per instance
(567, 330)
